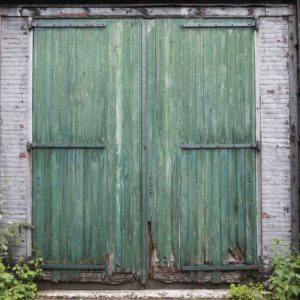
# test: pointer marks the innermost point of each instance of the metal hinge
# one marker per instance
(219, 24)
(220, 146)
(65, 146)
(67, 24)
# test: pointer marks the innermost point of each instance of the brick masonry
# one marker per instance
(273, 71)
(14, 121)
(273, 117)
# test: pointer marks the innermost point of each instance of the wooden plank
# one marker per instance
(223, 137)
(176, 117)
(126, 131)
(79, 206)
(87, 207)
(38, 159)
(218, 146)
(34, 120)
(160, 189)
(184, 243)
(119, 191)
(232, 219)
(39, 201)
(64, 131)
(215, 165)
(55, 208)
(92, 156)
(145, 203)
(167, 101)
(104, 123)
(149, 115)
(69, 23)
(55, 135)
(214, 268)
(219, 23)
(249, 155)
(135, 148)
(72, 267)
(133, 154)
(80, 135)
(71, 199)
(71, 202)
(200, 135)
(191, 157)
(240, 138)
(111, 94)
(67, 146)
(47, 228)
(254, 215)
(45, 132)
(207, 139)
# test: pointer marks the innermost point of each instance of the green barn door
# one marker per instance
(144, 148)
(201, 147)
(86, 149)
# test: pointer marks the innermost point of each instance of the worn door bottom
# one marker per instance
(162, 279)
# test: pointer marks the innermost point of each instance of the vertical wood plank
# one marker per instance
(176, 122)
(240, 137)
(184, 156)
(208, 154)
(249, 155)
(223, 137)
(119, 85)
(136, 147)
(232, 218)
(215, 136)
(111, 54)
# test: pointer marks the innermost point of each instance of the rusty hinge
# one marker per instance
(220, 146)
(68, 25)
(65, 146)
(211, 23)
(60, 24)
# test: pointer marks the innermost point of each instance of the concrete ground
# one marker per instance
(216, 294)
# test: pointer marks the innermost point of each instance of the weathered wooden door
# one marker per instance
(87, 145)
(201, 144)
(144, 147)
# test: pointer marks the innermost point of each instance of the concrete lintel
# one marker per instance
(172, 11)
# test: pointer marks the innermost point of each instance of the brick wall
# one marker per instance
(273, 89)
(275, 135)
(14, 120)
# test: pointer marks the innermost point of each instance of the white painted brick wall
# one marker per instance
(14, 118)
(273, 86)
(275, 132)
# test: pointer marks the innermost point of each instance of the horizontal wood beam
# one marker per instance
(65, 146)
(220, 268)
(73, 267)
(217, 24)
(69, 25)
(219, 146)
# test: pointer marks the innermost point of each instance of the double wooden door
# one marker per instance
(144, 147)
